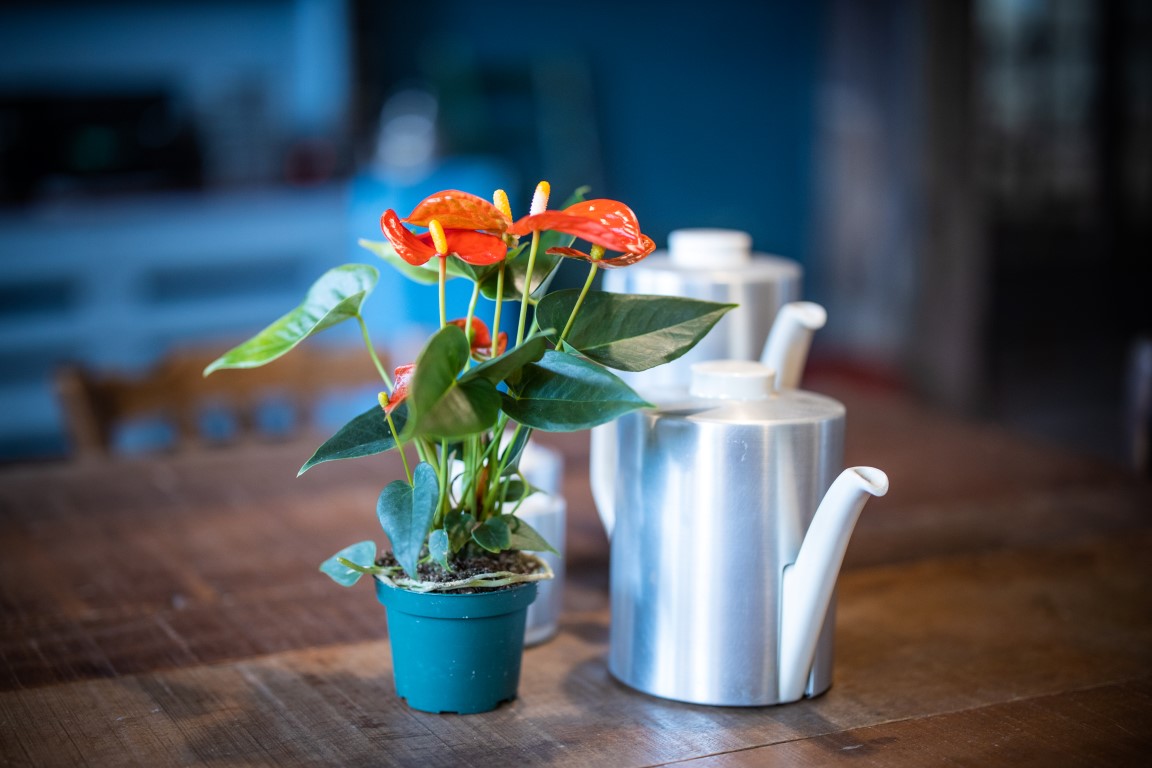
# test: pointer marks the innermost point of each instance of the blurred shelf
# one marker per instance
(115, 282)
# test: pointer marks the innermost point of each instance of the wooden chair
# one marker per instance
(174, 392)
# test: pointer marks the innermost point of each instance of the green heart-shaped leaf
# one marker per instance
(511, 458)
(335, 297)
(406, 513)
(579, 195)
(419, 274)
(358, 559)
(459, 527)
(630, 332)
(467, 408)
(438, 547)
(524, 537)
(493, 534)
(564, 393)
(515, 489)
(439, 405)
(499, 368)
(365, 435)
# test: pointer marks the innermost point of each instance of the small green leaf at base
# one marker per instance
(458, 526)
(438, 547)
(493, 534)
(505, 532)
(526, 538)
(406, 513)
(349, 564)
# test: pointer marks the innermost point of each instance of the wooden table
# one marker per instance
(995, 609)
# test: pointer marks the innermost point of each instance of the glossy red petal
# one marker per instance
(602, 222)
(570, 253)
(413, 249)
(481, 337)
(646, 247)
(475, 248)
(400, 382)
(625, 259)
(459, 210)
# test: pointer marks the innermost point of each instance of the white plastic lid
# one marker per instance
(709, 248)
(732, 380)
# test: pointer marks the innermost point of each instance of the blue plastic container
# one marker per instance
(456, 653)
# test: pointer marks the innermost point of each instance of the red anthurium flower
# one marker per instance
(473, 247)
(622, 260)
(482, 338)
(606, 223)
(460, 210)
(400, 387)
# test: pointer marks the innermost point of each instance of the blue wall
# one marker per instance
(694, 114)
(704, 111)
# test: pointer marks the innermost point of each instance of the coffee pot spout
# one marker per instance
(786, 349)
(808, 583)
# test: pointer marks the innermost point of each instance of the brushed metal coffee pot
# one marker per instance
(728, 527)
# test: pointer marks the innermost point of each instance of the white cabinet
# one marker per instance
(115, 283)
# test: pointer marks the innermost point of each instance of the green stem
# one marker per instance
(442, 508)
(579, 303)
(443, 280)
(472, 310)
(399, 448)
(532, 329)
(492, 450)
(499, 304)
(468, 323)
(468, 492)
(388, 382)
(499, 460)
(527, 287)
(427, 451)
(372, 351)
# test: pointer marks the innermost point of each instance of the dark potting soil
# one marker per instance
(463, 568)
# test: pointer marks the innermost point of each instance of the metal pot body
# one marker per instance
(712, 501)
(760, 288)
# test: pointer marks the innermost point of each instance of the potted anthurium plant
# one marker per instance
(462, 412)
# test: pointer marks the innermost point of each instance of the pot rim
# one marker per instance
(488, 581)
(439, 605)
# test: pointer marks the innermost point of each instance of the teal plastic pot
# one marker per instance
(456, 653)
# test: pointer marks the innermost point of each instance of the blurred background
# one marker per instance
(968, 185)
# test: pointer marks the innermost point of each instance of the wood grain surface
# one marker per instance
(995, 609)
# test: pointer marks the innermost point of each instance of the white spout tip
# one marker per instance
(808, 313)
(871, 480)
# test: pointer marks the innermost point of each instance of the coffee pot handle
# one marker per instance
(602, 473)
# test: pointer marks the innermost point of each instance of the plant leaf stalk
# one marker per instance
(387, 383)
